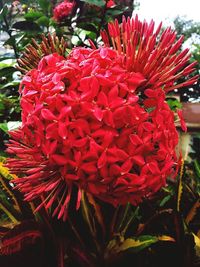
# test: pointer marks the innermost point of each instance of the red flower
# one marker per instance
(98, 121)
(62, 10)
(110, 3)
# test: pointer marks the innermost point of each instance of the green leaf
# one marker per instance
(87, 26)
(174, 104)
(43, 21)
(197, 168)
(33, 15)
(99, 3)
(165, 200)
(114, 12)
(44, 4)
(4, 127)
(10, 84)
(3, 12)
(4, 65)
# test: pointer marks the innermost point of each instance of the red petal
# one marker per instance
(59, 159)
(126, 167)
(48, 115)
(102, 160)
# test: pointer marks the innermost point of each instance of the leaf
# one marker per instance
(114, 12)
(5, 178)
(87, 26)
(87, 214)
(22, 235)
(44, 4)
(33, 15)
(4, 64)
(174, 104)
(139, 244)
(197, 244)
(97, 210)
(165, 200)
(4, 127)
(6, 209)
(99, 3)
(193, 211)
(3, 11)
(197, 167)
(136, 244)
(10, 84)
(43, 21)
(26, 26)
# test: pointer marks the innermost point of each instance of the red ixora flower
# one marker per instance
(98, 120)
(110, 3)
(62, 10)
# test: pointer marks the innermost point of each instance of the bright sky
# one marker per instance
(160, 10)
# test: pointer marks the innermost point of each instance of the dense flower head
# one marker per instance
(95, 122)
(62, 10)
(110, 3)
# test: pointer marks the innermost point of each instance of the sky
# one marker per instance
(160, 10)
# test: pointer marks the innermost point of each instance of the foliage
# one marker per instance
(123, 235)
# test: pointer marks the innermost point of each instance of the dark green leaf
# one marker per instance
(99, 3)
(3, 12)
(87, 26)
(26, 26)
(44, 4)
(114, 12)
(197, 168)
(10, 41)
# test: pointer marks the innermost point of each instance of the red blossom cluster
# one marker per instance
(62, 10)
(110, 3)
(98, 120)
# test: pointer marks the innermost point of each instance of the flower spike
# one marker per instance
(152, 54)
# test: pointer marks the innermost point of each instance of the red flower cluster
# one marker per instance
(62, 10)
(110, 3)
(98, 120)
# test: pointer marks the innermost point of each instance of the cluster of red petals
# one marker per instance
(110, 3)
(95, 122)
(62, 10)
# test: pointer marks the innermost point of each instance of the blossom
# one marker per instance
(62, 10)
(97, 121)
(110, 3)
